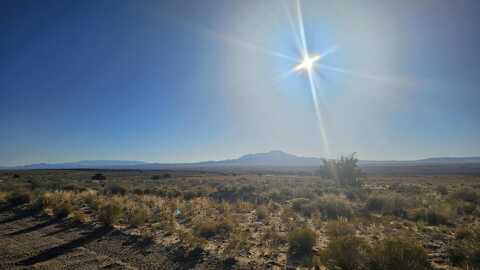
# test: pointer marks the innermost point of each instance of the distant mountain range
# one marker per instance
(268, 159)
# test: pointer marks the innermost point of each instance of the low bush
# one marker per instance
(19, 197)
(443, 190)
(262, 212)
(211, 228)
(109, 213)
(355, 194)
(388, 205)
(397, 254)
(62, 209)
(467, 195)
(136, 215)
(334, 208)
(79, 217)
(466, 208)
(465, 250)
(339, 228)
(98, 176)
(346, 253)
(115, 189)
(434, 216)
(301, 242)
(3, 197)
(303, 206)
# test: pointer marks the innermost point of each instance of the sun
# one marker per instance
(307, 63)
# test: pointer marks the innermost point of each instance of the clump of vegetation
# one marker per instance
(397, 254)
(465, 251)
(434, 215)
(211, 228)
(346, 253)
(301, 242)
(261, 212)
(442, 190)
(115, 189)
(109, 213)
(203, 210)
(63, 209)
(345, 170)
(303, 206)
(163, 176)
(136, 215)
(333, 207)
(99, 176)
(19, 197)
(467, 195)
(3, 197)
(388, 205)
(79, 217)
(189, 239)
(340, 228)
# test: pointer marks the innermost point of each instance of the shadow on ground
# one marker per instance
(35, 227)
(66, 248)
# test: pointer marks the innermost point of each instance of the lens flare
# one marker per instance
(307, 63)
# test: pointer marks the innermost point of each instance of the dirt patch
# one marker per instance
(29, 241)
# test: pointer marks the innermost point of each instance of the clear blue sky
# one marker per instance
(172, 81)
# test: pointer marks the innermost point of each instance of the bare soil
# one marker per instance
(29, 241)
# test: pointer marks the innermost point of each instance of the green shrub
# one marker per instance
(345, 171)
(388, 205)
(136, 216)
(109, 213)
(339, 228)
(397, 254)
(346, 253)
(301, 242)
(303, 206)
(334, 208)
(433, 216)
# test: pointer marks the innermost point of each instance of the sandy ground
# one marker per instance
(37, 242)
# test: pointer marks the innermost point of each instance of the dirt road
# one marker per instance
(37, 242)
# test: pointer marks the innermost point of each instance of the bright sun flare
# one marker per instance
(307, 63)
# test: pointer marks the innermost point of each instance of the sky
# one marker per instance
(184, 81)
